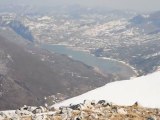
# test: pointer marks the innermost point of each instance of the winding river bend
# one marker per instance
(119, 69)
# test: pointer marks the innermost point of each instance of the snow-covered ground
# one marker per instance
(145, 90)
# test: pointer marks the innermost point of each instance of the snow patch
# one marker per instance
(144, 90)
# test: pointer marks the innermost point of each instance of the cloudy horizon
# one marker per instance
(138, 5)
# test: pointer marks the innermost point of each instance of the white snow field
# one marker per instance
(145, 90)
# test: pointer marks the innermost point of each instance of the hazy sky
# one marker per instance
(140, 5)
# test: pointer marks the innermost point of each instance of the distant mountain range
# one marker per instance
(150, 23)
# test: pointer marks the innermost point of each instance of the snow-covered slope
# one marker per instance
(145, 90)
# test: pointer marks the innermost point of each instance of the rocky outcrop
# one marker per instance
(89, 110)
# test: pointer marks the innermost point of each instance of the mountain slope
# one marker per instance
(28, 74)
(144, 90)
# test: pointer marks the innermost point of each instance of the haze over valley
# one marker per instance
(52, 52)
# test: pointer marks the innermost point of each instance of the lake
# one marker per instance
(104, 65)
